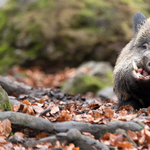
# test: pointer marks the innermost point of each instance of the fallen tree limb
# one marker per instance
(26, 120)
(41, 124)
(72, 136)
(11, 86)
(85, 142)
(95, 129)
(32, 142)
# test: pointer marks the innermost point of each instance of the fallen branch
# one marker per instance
(41, 124)
(32, 142)
(85, 142)
(72, 136)
(11, 86)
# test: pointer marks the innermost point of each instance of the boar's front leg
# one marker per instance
(135, 103)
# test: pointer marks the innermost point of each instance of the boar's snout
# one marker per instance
(146, 62)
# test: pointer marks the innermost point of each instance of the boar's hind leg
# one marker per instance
(132, 101)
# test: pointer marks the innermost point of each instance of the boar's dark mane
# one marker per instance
(129, 89)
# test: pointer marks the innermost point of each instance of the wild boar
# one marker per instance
(132, 69)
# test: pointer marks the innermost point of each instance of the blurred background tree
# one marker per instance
(59, 33)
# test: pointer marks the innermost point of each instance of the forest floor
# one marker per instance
(48, 118)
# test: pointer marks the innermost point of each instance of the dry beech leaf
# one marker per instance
(8, 146)
(112, 139)
(132, 135)
(93, 106)
(26, 102)
(16, 107)
(54, 109)
(1, 127)
(58, 144)
(90, 119)
(71, 146)
(41, 135)
(106, 136)
(88, 134)
(30, 111)
(97, 115)
(78, 118)
(125, 144)
(37, 109)
(2, 148)
(64, 116)
(119, 138)
(147, 136)
(108, 112)
(20, 135)
(142, 139)
(127, 107)
(2, 140)
(25, 109)
(6, 126)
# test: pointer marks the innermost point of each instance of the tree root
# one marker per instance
(41, 124)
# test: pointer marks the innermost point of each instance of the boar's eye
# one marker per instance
(145, 46)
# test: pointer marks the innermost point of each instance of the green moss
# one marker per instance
(7, 106)
(11, 133)
(86, 83)
(4, 100)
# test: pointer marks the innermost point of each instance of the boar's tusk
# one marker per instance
(135, 66)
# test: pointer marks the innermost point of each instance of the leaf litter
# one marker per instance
(58, 106)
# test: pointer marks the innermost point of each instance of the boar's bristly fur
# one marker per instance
(132, 69)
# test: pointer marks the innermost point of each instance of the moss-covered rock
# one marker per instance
(4, 100)
(84, 83)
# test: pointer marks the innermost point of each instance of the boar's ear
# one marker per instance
(138, 19)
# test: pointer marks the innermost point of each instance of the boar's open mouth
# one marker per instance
(140, 73)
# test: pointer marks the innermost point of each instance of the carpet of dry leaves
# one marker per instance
(93, 110)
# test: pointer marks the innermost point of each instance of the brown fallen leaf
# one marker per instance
(2, 148)
(71, 146)
(64, 116)
(88, 134)
(6, 127)
(41, 135)
(26, 102)
(54, 109)
(37, 109)
(147, 136)
(1, 127)
(128, 107)
(30, 111)
(125, 145)
(2, 140)
(132, 135)
(20, 135)
(108, 112)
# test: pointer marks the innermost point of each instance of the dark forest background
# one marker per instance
(54, 34)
